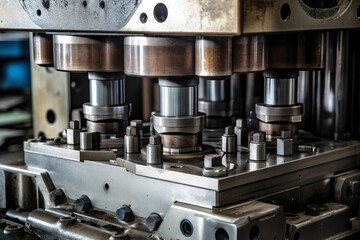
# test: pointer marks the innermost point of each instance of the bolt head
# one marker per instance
(83, 203)
(137, 123)
(124, 213)
(212, 160)
(74, 125)
(241, 122)
(259, 137)
(57, 196)
(155, 140)
(229, 130)
(153, 221)
(131, 131)
(315, 209)
(285, 134)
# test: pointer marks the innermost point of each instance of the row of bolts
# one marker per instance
(233, 138)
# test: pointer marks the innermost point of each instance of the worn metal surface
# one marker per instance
(267, 16)
(159, 56)
(51, 101)
(328, 223)
(235, 222)
(184, 16)
(88, 53)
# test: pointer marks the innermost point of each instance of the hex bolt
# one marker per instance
(257, 147)
(153, 221)
(83, 203)
(315, 209)
(228, 141)
(131, 140)
(74, 124)
(137, 123)
(212, 160)
(155, 140)
(124, 213)
(241, 132)
(240, 123)
(229, 130)
(284, 145)
(57, 196)
(139, 126)
(154, 150)
(285, 134)
(259, 137)
(131, 131)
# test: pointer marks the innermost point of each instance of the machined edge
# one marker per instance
(107, 110)
(279, 111)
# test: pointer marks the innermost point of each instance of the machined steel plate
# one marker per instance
(128, 16)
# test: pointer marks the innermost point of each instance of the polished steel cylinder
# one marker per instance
(217, 90)
(228, 143)
(178, 101)
(88, 53)
(131, 144)
(89, 140)
(159, 56)
(107, 93)
(213, 56)
(43, 49)
(154, 154)
(280, 91)
(257, 151)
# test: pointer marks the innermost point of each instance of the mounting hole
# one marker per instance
(50, 116)
(160, 12)
(285, 12)
(102, 4)
(186, 228)
(84, 3)
(358, 12)
(221, 234)
(106, 186)
(254, 232)
(297, 236)
(38, 12)
(143, 17)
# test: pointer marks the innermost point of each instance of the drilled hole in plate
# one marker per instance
(221, 234)
(160, 12)
(143, 17)
(254, 232)
(285, 12)
(50, 116)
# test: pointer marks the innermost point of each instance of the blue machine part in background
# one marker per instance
(14, 64)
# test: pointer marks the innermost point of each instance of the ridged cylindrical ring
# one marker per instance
(189, 124)
(88, 54)
(43, 49)
(280, 91)
(159, 56)
(213, 56)
(99, 113)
